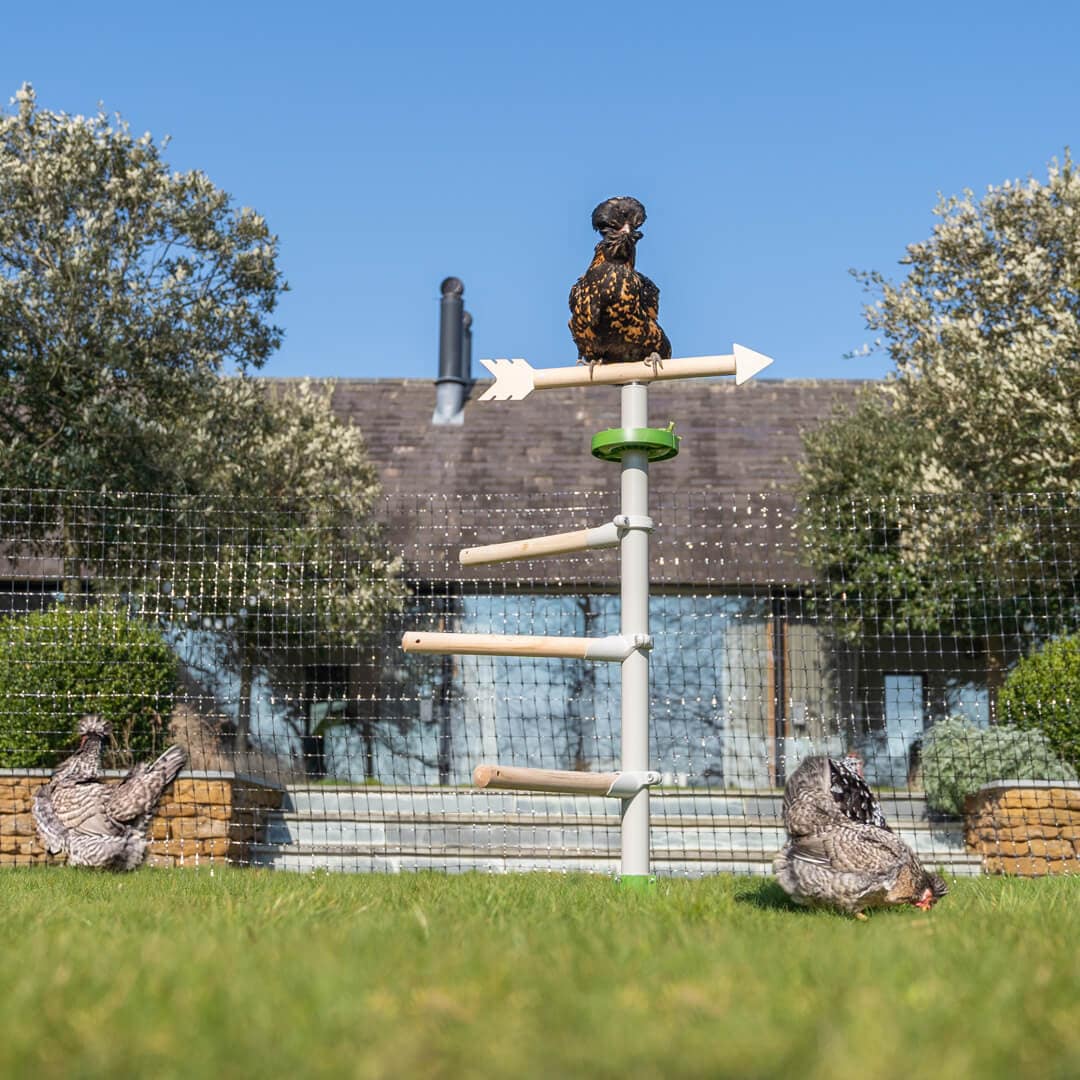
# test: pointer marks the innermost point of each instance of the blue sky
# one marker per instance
(774, 146)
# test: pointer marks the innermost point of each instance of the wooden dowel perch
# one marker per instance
(616, 785)
(538, 546)
(614, 649)
(507, 777)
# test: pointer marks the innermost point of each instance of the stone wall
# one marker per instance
(204, 817)
(1025, 827)
(19, 845)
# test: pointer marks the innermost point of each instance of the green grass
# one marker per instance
(256, 974)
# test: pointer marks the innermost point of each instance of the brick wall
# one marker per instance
(1030, 828)
(19, 845)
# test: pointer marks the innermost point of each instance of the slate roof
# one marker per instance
(518, 469)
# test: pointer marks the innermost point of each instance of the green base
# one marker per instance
(659, 443)
(637, 882)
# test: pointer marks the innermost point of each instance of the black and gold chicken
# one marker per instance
(613, 307)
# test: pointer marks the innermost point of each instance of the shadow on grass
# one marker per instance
(768, 896)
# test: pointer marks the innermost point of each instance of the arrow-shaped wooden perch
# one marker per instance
(517, 379)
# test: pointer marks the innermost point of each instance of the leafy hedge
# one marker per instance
(1042, 693)
(958, 757)
(58, 664)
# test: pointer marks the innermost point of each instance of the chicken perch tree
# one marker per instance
(614, 311)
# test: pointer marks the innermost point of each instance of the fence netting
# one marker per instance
(265, 639)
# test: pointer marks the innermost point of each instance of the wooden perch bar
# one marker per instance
(614, 649)
(495, 645)
(537, 546)
(506, 777)
(617, 785)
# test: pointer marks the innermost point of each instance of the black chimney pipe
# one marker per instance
(466, 349)
(450, 386)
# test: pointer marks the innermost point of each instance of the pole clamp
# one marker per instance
(625, 522)
(629, 782)
(617, 647)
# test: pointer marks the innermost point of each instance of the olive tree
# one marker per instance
(135, 304)
(302, 574)
(126, 289)
(917, 503)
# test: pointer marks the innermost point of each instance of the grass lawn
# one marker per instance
(259, 974)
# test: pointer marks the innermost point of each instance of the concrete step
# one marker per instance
(334, 800)
(571, 817)
(404, 862)
(337, 801)
(568, 834)
(371, 859)
(371, 828)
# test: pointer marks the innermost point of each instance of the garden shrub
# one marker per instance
(1042, 693)
(958, 757)
(59, 664)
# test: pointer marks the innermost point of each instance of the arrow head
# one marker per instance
(748, 363)
(513, 380)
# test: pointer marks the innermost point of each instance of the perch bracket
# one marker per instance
(630, 781)
(625, 522)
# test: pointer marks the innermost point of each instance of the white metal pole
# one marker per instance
(634, 577)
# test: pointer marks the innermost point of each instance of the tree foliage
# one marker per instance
(911, 499)
(303, 575)
(135, 303)
(284, 565)
(1042, 693)
(59, 664)
(295, 552)
(126, 289)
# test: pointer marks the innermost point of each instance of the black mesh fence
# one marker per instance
(928, 639)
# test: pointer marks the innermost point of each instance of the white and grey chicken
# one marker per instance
(95, 823)
(841, 852)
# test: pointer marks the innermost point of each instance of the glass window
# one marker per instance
(889, 753)
(969, 700)
(709, 692)
(905, 702)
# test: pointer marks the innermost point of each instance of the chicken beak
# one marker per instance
(926, 901)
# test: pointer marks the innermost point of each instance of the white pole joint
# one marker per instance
(629, 782)
(625, 522)
(617, 647)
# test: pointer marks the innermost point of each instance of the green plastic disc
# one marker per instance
(659, 443)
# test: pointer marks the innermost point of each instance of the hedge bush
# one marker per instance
(61, 663)
(1042, 693)
(958, 757)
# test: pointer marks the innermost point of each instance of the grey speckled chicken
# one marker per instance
(99, 824)
(823, 790)
(841, 852)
